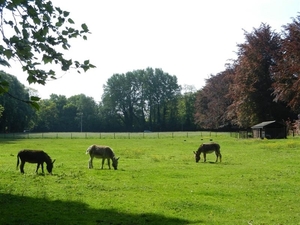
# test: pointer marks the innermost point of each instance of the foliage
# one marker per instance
(260, 85)
(1, 110)
(287, 69)
(142, 98)
(76, 113)
(157, 182)
(212, 101)
(186, 110)
(17, 115)
(34, 32)
(252, 98)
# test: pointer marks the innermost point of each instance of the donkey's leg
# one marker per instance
(22, 166)
(42, 164)
(91, 163)
(220, 156)
(108, 162)
(217, 156)
(204, 156)
(103, 159)
(37, 167)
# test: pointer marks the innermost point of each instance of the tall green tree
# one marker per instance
(86, 116)
(186, 110)
(160, 89)
(16, 115)
(141, 99)
(36, 32)
(60, 114)
(122, 94)
(47, 116)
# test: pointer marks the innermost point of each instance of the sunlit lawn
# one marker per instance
(157, 182)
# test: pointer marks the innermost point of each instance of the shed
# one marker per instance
(269, 129)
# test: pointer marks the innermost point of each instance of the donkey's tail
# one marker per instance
(18, 160)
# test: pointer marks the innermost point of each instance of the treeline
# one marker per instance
(261, 84)
(141, 100)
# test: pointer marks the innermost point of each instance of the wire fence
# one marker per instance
(115, 135)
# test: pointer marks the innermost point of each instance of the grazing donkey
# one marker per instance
(208, 148)
(103, 152)
(35, 156)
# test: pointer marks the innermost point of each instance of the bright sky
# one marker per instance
(190, 39)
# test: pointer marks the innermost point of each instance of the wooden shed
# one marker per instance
(269, 129)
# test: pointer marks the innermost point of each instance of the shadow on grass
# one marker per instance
(27, 210)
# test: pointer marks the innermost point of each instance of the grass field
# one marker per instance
(157, 182)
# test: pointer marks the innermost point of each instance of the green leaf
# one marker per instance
(70, 21)
(17, 30)
(4, 63)
(4, 86)
(66, 14)
(47, 59)
(37, 21)
(35, 98)
(84, 27)
(35, 105)
(64, 32)
(8, 53)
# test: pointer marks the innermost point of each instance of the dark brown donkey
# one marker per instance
(208, 148)
(35, 156)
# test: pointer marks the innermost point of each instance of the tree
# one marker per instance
(142, 99)
(287, 69)
(213, 100)
(86, 117)
(33, 32)
(186, 108)
(122, 94)
(1, 110)
(16, 115)
(160, 89)
(251, 90)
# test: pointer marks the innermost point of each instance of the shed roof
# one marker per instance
(263, 124)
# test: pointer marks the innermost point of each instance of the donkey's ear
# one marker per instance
(53, 161)
(194, 152)
(117, 158)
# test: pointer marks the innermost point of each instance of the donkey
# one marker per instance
(34, 156)
(208, 148)
(103, 152)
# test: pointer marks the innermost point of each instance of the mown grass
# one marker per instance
(157, 182)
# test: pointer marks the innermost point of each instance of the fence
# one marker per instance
(91, 135)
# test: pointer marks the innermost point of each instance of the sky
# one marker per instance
(190, 39)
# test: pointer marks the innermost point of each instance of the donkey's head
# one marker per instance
(115, 162)
(197, 156)
(50, 166)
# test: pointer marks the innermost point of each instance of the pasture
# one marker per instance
(157, 182)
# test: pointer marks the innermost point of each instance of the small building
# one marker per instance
(269, 129)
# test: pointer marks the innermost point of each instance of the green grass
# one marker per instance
(157, 182)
